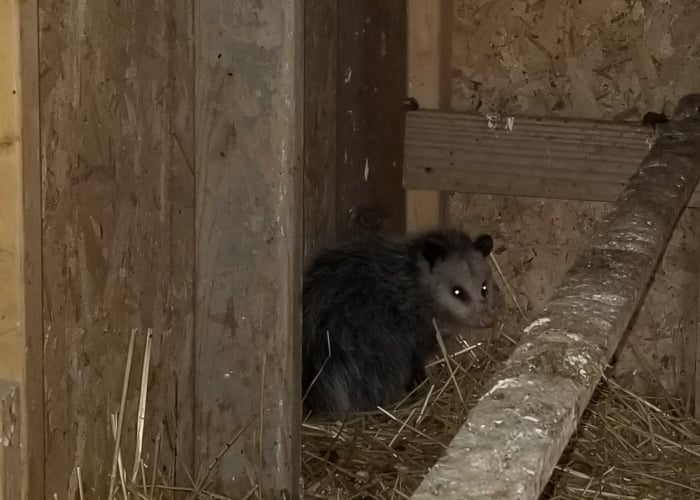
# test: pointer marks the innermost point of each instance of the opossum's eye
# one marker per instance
(484, 289)
(459, 292)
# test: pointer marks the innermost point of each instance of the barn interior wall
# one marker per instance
(116, 110)
(600, 59)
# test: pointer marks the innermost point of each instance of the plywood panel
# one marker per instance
(249, 138)
(371, 78)
(605, 61)
(116, 116)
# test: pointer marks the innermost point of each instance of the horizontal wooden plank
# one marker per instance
(522, 156)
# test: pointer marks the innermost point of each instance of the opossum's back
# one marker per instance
(374, 273)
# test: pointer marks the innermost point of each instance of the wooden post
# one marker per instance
(371, 76)
(11, 461)
(320, 123)
(515, 435)
(429, 59)
(21, 341)
(249, 126)
(117, 195)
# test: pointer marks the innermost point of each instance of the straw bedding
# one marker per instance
(627, 446)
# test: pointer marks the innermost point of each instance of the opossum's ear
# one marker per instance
(433, 250)
(484, 244)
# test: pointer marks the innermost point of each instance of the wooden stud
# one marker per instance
(371, 83)
(21, 343)
(429, 59)
(116, 114)
(320, 123)
(31, 305)
(249, 123)
(515, 435)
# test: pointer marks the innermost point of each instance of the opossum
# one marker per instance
(368, 307)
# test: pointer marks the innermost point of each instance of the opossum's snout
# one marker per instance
(486, 320)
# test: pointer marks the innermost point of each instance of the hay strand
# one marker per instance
(141, 417)
(120, 422)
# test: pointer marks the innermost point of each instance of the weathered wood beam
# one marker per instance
(516, 433)
(11, 469)
(248, 169)
(573, 159)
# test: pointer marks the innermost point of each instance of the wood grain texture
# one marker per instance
(21, 349)
(320, 123)
(31, 305)
(11, 290)
(12, 464)
(249, 123)
(515, 435)
(116, 112)
(428, 53)
(536, 157)
(371, 77)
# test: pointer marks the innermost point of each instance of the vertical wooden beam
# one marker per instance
(12, 463)
(320, 123)
(31, 307)
(371, 89)
(116, 108)
(21, 346)
(249, 139)
(429, 60)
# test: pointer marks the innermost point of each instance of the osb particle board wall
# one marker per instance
(118, 206)
(602, 59)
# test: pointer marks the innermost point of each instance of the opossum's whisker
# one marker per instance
(410, 427)
(421, 415)
(453, 355)
(320, 370)
(507, 285)
(441, 343)
(393, 440)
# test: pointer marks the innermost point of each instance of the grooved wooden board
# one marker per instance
(537, 157)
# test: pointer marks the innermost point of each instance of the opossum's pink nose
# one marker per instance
(486, 320)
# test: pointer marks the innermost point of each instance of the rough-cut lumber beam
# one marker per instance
(516, 433)
(11, 470)
(249, 141)
(21, 334)
(521, 156)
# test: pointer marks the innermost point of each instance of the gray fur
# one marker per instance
(373, 300)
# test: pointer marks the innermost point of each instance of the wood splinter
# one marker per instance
(515, 435)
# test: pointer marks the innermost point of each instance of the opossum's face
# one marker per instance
(459, 281)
